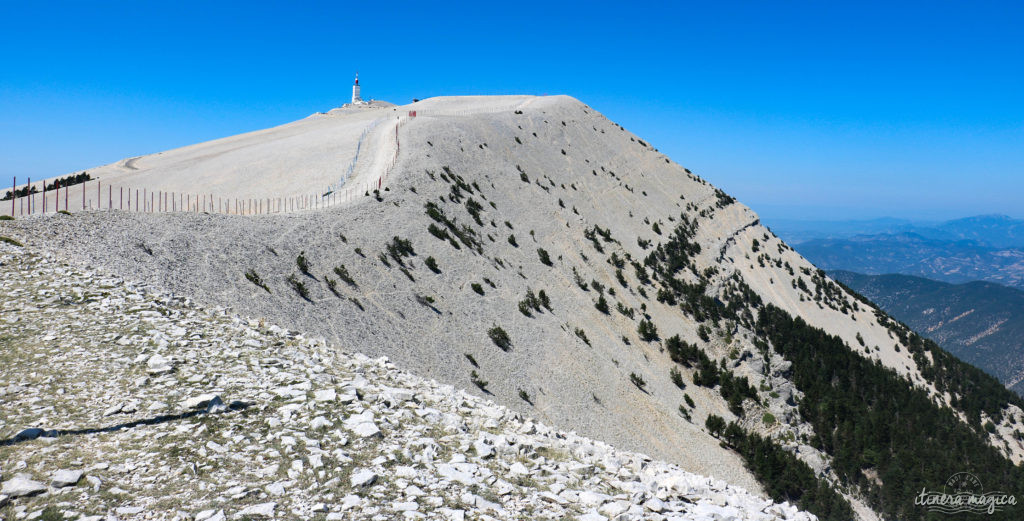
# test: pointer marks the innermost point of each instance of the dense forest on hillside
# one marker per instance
(888, 439)
(980, 322)
(874, 423)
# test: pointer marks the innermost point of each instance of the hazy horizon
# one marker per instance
(800, 111)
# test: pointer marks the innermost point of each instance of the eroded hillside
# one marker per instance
(548, 259)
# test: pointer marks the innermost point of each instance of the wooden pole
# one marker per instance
(14, 192)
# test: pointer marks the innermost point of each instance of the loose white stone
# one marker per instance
(199, 402)
(518, 469)
(262, 509)
(363, 478)
(21, 485)
(366, 430)
(65, 478)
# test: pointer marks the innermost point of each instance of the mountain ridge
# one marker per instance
(555, 208)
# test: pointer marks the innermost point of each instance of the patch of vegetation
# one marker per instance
(465, 234)
(399, 248)
(477, 287)
(250, 275)
(602, 304)
(647, 330)
(531, 302)
(6, 218)
(629, 312)
(638, 381)
(867, 416)
(544, 300)
(474, 209)
(583, 335)
(432, 264)
(357, 303)
(472, 360)
(677, 378)
(785, 477)
(512, 240)
(299, 287)
(544, 257)
(500, 338)
(342, 272)
(685, 413)
(477, 381)
(52, 514)
(11, 241)
(303, 264)
(332, 285)
(715, 425)
(621, 278)
(524, 396)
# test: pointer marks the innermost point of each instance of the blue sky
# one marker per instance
(809, 110)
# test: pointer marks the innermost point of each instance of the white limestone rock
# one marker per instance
(65, 478)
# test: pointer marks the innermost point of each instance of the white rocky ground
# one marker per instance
(544, 171)
(119, 402)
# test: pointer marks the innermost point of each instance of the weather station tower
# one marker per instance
(355, 91)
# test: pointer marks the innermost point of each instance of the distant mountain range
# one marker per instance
(980, 322)
(954, 261)
(994, 231)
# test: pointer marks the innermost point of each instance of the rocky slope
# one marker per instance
(592, 283)
(122, 403)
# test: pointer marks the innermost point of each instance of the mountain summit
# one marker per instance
(534, 252)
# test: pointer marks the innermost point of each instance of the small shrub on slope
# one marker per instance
(544, 257)
(298, 286)
(255, 279)
(500, 338)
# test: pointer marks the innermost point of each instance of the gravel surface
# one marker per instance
(119, 402)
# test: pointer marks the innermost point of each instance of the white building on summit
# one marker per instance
(355, 92)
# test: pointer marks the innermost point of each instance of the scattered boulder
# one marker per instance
(158, 365)
(363, 478)
(65, 478)
(262, 509)
(22, 485)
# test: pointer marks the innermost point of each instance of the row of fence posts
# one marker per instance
(98, 196)
(160, 201)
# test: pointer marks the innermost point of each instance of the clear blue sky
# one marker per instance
(800, 109)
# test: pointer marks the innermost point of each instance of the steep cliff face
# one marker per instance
(590, 281)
